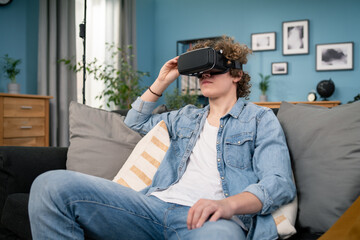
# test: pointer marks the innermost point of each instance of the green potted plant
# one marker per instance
(122, 81)
(175, 100)
(264, 86)
(356, 98)
(11, 71)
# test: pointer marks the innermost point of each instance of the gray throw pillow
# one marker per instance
(100, 142)
(325, 151)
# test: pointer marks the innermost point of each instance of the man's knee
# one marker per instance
(51, 185)
(51, 181)
(221, 229)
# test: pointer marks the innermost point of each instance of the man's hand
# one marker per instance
(168, 74)
(169, 71)
(242, 203)
(200, 212)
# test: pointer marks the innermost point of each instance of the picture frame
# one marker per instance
(295, 37)
(335, 56)
(263, 41)
(279, 68)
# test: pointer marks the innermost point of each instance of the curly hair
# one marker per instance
(232, 51)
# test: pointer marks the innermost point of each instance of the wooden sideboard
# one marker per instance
(24, 120)
(317, 103)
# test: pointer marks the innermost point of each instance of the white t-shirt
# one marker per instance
(201, 178)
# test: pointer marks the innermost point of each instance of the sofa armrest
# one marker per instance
(19, 166)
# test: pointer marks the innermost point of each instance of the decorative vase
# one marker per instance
(263, 98)
(14, 88)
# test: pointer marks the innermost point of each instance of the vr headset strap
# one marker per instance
(235, 65)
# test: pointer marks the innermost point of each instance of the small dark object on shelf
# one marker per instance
(356, 98)
(325, 88)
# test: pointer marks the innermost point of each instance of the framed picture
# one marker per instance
(263, 41)
(278, 68)
(335, 56)
(296, 37)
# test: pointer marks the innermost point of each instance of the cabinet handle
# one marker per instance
(26, 127)
(26, 107)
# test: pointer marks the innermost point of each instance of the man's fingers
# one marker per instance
(204, 216)
(204, 210)
(189, 218)
(215, 216)
(196, 216)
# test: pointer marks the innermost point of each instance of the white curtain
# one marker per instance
(56, 41)
(108, 21)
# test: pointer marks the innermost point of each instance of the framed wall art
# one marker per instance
(335, 56)
(278, 68)
(263, 41)
(296, 37)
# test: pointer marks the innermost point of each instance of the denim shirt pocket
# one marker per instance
(181, 140)
(239, 150)
(184, 132)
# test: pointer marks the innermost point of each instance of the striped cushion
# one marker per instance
(140, 168)
(285, 218)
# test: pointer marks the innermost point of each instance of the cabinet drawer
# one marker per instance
(26, 141)
(24, 107)
(24, 127)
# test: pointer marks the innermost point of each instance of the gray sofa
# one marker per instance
(324, 146)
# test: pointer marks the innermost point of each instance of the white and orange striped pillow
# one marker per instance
(285, 218)
(142, 164)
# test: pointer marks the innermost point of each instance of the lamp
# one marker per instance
(82, 34)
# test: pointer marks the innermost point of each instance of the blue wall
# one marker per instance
(160, 23)
(19, 39)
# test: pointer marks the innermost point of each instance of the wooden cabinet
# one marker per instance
(24, 120)
(318, 103)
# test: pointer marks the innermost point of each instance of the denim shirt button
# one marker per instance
(226, 194)
(221, 126)
(218, 160)
(222, 178)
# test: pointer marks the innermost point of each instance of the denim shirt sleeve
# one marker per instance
(140, 118)
(271, 163)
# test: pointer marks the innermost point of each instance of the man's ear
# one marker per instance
(238, 79)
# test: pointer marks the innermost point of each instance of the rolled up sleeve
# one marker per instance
(271, 164)
(141, 119)
(143, 107)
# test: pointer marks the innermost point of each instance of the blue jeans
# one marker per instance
(69, 205)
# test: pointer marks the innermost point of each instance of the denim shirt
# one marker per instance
(252, 155)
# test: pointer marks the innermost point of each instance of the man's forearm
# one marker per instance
(157, 88)
(244, 203)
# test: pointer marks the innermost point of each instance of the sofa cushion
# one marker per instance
(100, 142)
(141, 166)
(15, 215)
(325, 151)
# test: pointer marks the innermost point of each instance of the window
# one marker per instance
(102, 26)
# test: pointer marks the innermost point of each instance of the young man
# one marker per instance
(226, 170)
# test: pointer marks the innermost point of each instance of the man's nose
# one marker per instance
(205, 75)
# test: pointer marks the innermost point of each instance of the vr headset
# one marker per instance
(199, 61)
